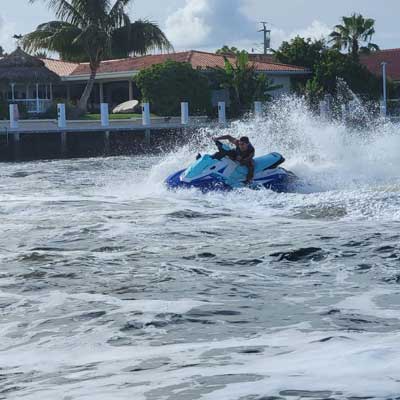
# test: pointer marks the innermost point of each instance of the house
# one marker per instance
(373, 62)
(114, 81)
(25, 80)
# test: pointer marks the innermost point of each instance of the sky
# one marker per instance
(209, 24)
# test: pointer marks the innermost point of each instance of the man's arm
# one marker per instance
(227, 137)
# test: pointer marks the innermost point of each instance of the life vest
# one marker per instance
(246, 153)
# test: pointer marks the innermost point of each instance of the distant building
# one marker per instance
(374, 62)
(114, 81)
(26, 80)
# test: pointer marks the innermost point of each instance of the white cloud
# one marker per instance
(209, 24)
(188, 26)
(317, 30)
(7, 31)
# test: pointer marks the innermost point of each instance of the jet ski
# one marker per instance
(208, 173)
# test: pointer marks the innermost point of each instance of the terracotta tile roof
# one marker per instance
(198, 59)
(268, 58)
(206, 60)
(131, 64)
(61, 68)
(391, 56)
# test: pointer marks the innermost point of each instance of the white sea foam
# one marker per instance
(356, 170)
(354, 364)
(95, 251)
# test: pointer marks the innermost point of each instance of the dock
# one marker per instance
(44, 139)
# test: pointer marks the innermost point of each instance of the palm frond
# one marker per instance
(65, 11)
(93, 11)
(117, 15)
(54, 36)
(140, 37)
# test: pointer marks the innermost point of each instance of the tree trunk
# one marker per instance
(82, 105)
(355, 49)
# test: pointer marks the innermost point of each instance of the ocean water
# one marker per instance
(112, 287)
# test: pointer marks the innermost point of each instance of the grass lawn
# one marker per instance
(97, 117)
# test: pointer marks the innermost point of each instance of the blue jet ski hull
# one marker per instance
(212, 173)
(284, 181)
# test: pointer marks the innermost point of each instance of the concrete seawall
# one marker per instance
(34, 140)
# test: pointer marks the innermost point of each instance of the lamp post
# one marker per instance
(384, 103)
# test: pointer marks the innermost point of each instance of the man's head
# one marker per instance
(244, 142)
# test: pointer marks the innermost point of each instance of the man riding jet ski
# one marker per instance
(225, 170)
(243, 153)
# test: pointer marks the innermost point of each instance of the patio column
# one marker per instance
(37, 98)
(51, 91)
(101, 86)
(130, 90)
(68, 93)
(13, 91)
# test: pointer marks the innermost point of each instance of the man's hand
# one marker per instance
(239, 158)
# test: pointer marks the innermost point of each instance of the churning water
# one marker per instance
(111, 287)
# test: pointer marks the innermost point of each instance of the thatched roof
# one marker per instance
(22, 67)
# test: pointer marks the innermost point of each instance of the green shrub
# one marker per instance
(5, 112)
(166, 85)
(4, 109)
(71, 110)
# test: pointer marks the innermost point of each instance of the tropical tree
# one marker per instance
(302, 52)
(354, 34)
(244, 83)
(92, 31)
(227, 50)
(166, 85)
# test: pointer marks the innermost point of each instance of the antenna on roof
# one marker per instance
(18, 39)
(267, 37)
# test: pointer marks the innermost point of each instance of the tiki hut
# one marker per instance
(26, 81)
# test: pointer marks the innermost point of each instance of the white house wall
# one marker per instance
(283, 80)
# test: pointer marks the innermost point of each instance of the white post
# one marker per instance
(323, 108)
(383, 109)
(221, 112)
(185, 113)
(62, 120)
(146, 114)
(105, 121)
(37, 98)
(258, 109)
(384, 101)
(14, 116)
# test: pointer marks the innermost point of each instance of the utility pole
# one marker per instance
(267, 36)
(384, 88)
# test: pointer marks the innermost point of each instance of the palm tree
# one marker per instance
(353, 33)
(244, 83)
(92, 31)
(227, 50)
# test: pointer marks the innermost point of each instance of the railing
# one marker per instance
(33, 106)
